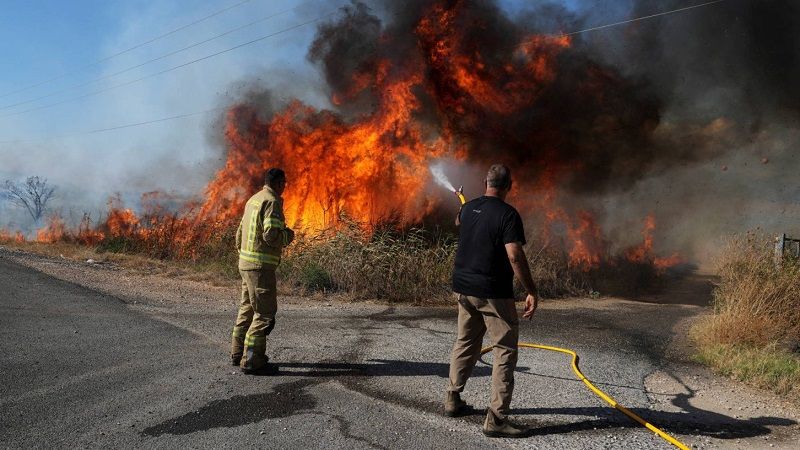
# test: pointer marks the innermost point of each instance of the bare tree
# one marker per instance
(33, 195)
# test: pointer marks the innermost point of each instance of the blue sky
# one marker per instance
(43, 39)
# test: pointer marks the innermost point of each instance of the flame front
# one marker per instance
(375, 168)
(456, 80)
(371, 170)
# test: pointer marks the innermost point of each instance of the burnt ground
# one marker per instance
(93, 355)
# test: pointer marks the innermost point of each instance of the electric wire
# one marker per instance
(158, 58)
(128, 83)
(122, 52)
(247, 43)
(636, 19)
(116, 127)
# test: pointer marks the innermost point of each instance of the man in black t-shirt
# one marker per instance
(489, 255)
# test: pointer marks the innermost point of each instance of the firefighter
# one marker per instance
(261, 236)
(489, 254)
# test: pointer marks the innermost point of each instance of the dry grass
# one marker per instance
(386, 264)
(757, 302)
(552, 274)
(754, 332)
(412, 265)
(417, 266)
(55, 250)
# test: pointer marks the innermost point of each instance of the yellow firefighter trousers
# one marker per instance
(256, 317)
(475, 316)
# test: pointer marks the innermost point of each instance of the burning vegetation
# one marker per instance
(450, 79)
(437, 79)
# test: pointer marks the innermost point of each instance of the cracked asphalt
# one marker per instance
(89, 364)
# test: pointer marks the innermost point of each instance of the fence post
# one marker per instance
(780, 245)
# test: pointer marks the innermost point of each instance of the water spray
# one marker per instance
(438, 173)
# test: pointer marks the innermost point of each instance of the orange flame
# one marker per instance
(121, 222)
(371, 170)
(586, 240)
(6, 236)
(55, 230)
(644, 252)
(500, 88)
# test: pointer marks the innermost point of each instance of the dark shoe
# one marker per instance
(496, 427)
(454, 406)
(241, 361)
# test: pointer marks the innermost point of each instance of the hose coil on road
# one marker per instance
(607, 398)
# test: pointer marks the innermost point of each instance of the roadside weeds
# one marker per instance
(753, 334)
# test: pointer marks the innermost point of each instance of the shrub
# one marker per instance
(314, 278)
(753, 333)
(413, 265)
(757, 300)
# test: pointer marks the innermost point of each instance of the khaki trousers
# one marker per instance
(475, 317)
(256, 317)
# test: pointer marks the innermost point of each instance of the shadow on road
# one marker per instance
(690, 420)
(378, 368)
(291, 398)
(283, 400)
(693, 422)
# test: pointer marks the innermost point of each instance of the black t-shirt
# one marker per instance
(482, 267)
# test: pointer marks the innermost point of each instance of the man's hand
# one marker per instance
(516, 256)
(531, 302)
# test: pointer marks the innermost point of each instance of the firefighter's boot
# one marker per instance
(254, 359)
(454, 406)
(265, 370)
(237, 345)
(495, 426)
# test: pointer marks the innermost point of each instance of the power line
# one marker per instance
(163, 119)
(644, 17)
(116, 127)
(128, 83)
(128, 69)
(149, 41)
(264, 37)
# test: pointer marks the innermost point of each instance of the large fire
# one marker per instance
(375, 168)
(453, 83)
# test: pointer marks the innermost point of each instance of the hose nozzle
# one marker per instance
(460, 194)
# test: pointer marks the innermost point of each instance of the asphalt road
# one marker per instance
(84, 369)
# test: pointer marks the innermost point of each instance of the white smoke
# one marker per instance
(438, 172)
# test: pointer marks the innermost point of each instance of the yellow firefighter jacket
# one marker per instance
(262, 233)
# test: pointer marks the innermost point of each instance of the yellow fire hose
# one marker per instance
(600, 393)
(607, 398)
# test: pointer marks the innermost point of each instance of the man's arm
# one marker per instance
(516, 255)
(273, 224)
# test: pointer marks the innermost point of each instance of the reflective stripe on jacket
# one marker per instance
(262, 233)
